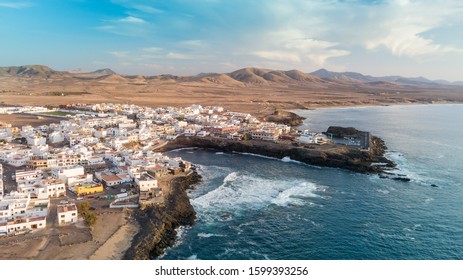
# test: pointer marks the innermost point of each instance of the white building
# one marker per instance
(71, 175)
(44, 189)
(35, 140)
(111, 180)
(18, 213)
(17, 160)
(2, 192)
(67, 214)
(56, 137)
(28, 176)
(22, 225)
(54, 188)
(63, 173)
(146, 182)
(264, 135)
(39, 150)
(307, 137)
(100, 133)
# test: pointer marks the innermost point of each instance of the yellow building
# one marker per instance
(88, 188)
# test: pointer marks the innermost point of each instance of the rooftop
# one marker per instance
(110, 178)
(88, 185)
(62, 208)
(146, 177)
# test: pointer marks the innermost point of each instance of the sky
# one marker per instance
(150, 37)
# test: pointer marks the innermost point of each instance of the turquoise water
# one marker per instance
(251, 207)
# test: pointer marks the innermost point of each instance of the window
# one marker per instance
(73, 214)
(62, 216)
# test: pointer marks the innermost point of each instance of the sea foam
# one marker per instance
(240, 192)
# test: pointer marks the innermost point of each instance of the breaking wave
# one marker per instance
(239, 191)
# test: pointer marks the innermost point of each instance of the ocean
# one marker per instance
(252, 207)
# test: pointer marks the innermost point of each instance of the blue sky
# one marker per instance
(403, 37)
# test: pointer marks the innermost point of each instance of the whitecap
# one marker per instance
(254, 155)
(404, 168)
(207, 235)
(239, 192)
(295, 195)
(180, 236)
(382, 191)
(428, 200)
(288, 159)
(193, 257)
(183, 149)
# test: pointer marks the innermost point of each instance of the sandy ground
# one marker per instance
(25, 119)
(109, 239)
(255, 99)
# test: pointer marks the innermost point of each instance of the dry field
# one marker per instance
(259, 99)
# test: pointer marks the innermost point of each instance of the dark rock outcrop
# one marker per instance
(285, 117)
(340, 132)
(371, 161)
(159, 224)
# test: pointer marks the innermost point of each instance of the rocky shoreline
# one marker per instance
(159, 224)
(362, 161)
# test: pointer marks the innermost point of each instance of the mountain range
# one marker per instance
(358, 77)
(239, 78)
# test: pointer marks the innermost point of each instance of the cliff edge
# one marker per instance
(159, 223)
(363, 161)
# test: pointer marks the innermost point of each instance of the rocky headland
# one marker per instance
(284, 117)
(337, 156)
(159, 224)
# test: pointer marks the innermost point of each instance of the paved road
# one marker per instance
(8, 183)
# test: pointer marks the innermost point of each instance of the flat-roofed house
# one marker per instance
(148, 186)
(111, 180)
(88, 188)
(67, 214)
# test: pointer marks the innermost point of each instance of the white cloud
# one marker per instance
(194, 43)
(148, 9)
(152, 49)
(291, 46)
(175, 55)
(16, 5)
(399, 26)
(119, 54)
(396, 25)
(279, 55)
(132, 19)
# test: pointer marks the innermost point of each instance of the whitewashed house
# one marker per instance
(67, 214)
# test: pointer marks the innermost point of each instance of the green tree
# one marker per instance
(88, 215)
(247, 137)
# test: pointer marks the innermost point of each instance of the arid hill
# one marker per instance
(253, 90)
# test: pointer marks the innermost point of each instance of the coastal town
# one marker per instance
(106, 152)
(84, 160)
